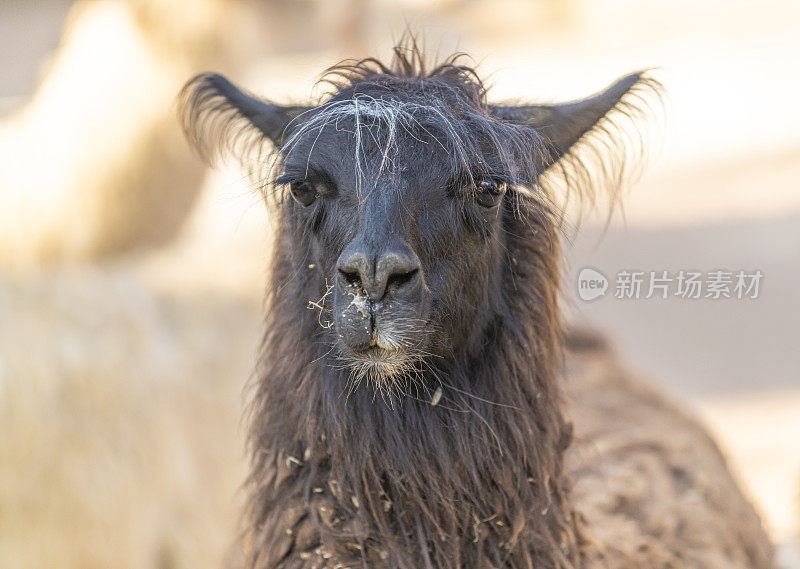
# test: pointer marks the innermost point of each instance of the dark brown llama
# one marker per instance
(410, 410)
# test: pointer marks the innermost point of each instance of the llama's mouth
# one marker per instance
(378, 330)
(383, 363)
(379, 352)
(380, 339)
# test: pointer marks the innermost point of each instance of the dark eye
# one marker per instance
(489, 193)
(304, 192)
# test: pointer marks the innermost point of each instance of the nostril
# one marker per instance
(351, 277)
(397, 280)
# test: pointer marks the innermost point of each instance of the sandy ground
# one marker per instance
(724, 193)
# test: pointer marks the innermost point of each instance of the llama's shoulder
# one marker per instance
(652, 485)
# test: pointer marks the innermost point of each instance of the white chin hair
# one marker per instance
(383, 371)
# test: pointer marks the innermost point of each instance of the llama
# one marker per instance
(414, 407)
(115, 181)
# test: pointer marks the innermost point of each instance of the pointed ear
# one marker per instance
(217, 116)
(562, 125)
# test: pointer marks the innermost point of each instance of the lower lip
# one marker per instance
(377, 352)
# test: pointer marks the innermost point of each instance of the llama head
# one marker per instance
(405, 194)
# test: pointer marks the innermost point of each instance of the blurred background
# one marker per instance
(131, 277)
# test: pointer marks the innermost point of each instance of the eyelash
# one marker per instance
(287, 179)
(311, 176)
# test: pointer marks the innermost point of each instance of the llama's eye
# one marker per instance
(489, 193)
(304, 192)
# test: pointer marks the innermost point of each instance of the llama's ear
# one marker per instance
(218, 116)
(562, 125)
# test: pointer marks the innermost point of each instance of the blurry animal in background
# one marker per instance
(94, 164)
(413, 406)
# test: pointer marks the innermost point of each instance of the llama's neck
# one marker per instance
(475, 479)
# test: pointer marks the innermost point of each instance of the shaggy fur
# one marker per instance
(652, 486)
(462, 464)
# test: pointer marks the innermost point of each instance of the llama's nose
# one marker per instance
(392, 269)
